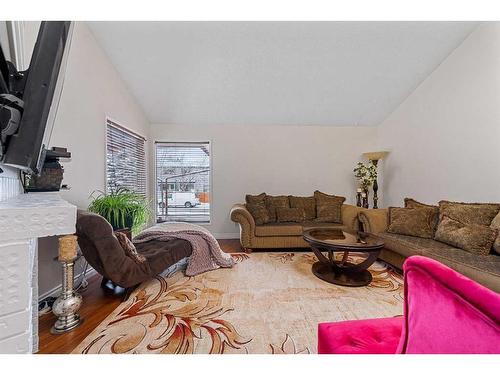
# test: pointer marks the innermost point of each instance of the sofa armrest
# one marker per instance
(350, 216)
(239, 214)
(374, 220)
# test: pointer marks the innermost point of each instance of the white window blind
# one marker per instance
(125, 159)
(183, 181)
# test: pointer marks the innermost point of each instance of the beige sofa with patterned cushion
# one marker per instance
(284, 235)
(485, 269)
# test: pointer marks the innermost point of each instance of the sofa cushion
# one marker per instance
(255, 199)
(259, 213)
(314, 224)
(307, 203)
(287, 215)
(291, 229)
(278, 230)
(412, 203)
(409, 245)
(469, 213)
(328, 207)
(273, 202)
(367, 336)
(495, 224)
(418, 222)
(474, 238)
(483, 268)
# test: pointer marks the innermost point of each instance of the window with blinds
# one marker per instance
(183, 181)
(125, 159)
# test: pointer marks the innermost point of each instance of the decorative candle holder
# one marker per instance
(358, 198)
(66, 306)
(364, 196)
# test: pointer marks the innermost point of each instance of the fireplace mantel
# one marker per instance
(23, 219)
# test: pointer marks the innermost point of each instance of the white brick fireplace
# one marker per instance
(23, 219)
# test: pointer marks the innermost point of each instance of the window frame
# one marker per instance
(210, 173)
(118, 125)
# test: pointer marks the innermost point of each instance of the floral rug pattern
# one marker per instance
(268, 303)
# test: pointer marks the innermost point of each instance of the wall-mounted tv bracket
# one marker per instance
(11, 103)
(11, 109)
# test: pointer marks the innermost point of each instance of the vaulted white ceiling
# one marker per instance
(290, 73)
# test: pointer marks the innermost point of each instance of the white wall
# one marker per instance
(445, 137)
(92, 91)
(274, 159)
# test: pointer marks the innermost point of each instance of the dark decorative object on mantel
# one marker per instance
(51, 176)
(374, 157)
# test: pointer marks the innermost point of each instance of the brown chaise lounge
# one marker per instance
(485, 269)
(103, 252)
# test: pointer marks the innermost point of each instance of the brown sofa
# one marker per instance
(485, 269)
(284, 235)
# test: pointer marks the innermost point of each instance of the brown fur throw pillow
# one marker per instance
(259, 213)
(412, 203)
(273, 202)
(307, 203)
(495, 224)
(417, 222)
(129, 248)
(328, 207)
(286, 215)
(474, 238)
(469, 213)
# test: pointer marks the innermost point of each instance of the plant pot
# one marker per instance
(129, 221)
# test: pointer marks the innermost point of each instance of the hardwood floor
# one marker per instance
(96, 307)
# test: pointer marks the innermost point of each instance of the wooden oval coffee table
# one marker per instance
(343, 272)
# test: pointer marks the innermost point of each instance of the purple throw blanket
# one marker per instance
(207, 254)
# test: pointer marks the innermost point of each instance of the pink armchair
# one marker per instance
(444, 312)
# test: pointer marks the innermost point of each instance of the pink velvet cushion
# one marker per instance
(370, 336)
(447, 312)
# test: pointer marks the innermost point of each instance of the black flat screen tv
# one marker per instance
(39, 88)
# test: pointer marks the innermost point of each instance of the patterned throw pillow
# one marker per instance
(307, 203)
(273, 202)
(257, 208)
(255, 199)
(259, 213)
(129, 248)
(495, 224)
(286, 215)
(416, 222)
(469, 213)
(474, 238)
(412, 203)
(328, 207)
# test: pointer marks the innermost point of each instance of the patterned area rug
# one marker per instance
(268, 303)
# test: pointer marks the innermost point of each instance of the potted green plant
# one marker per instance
(122, 208)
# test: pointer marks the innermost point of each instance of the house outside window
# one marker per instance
(183, 181)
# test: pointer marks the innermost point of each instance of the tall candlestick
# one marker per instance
(66, 306)
(67, 248)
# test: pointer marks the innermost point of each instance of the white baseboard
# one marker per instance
(226, 236)
(54, 292)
